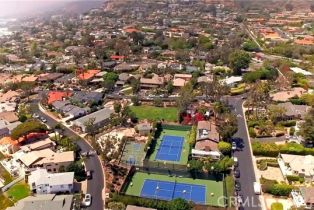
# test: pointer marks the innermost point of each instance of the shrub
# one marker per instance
(262, 166)
(288, 123)
(252, 132)
(267, 184)
(292, 130)
(272, 149)
(281, 189)
(224, 147)
(292, 178)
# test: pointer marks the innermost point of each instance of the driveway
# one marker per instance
(244, 156)
(95, 185)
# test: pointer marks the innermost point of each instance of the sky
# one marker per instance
(16, 8)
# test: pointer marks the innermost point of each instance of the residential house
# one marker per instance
(7, 106)
(303, 198)
(154, 82)
(179, 80)
(49, 77)
(125, 67)
(6, 127)
(205, 79)
(8, 145)
(207, 136)
(299, 165)
(86, 76)
(101, 118)
(294, 111)
(44, 202)
(108, 65)
(123, 78)
(66, 79)
(117, 57)
(57, 96)
(39, 145)
(233, 80)
(10, 96)
(47, 159)
(42, 182)
(84, 97)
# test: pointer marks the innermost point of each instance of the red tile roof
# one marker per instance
(87, 74)
(57, 96)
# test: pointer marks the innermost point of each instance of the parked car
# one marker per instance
(236, 161)
(89, 174)
(43, 119)
(92, 152)
(236, 173)
(35, 116)
(237, 185)
(234, 146)
(87, 200)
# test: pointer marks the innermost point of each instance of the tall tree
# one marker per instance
(239, 60)
(307, 128)
(185, 97)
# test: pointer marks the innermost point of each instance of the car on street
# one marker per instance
(236, 173)
(89, 174)
(35, 116)
(87, 200)
(237, 185)
(43, 119)
(240, 199)
(234, 146)
(236, 161)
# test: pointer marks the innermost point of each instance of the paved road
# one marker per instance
(245, 159)
(95, 185)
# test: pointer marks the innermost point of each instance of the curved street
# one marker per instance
(95, 185)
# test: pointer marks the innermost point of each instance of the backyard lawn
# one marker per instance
(18, 191)
(212, 186)
(185, 149)
(169, 114)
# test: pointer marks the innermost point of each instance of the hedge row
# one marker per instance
(151, 203)
(273, 150)
(275, 188)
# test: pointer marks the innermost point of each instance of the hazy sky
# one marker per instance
(12, 8)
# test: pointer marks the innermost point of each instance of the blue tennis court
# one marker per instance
(165, 190)
(170, 148)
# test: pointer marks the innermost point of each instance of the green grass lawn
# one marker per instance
(18, 191)
(230, 188)
(185, 150)
(212, 186)
(169, 114)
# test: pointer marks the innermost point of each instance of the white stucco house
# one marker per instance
(42, 182)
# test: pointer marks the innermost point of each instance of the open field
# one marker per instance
(214, 189)
(169, 114)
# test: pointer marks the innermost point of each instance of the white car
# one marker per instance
(87, 200)
(234, 146)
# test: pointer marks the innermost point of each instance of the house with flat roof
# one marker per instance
(101, 117)
(42, 182)
(44, 202)
(298, 165)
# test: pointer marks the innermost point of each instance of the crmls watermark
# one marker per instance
(236, 201)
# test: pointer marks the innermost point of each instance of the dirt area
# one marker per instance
(272, 173)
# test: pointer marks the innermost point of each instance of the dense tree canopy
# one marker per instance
(26, 128)
(239, 60)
